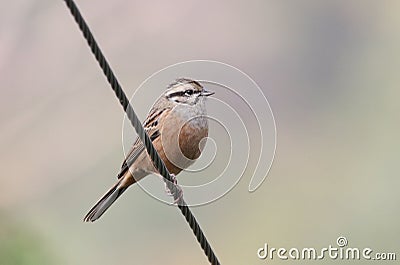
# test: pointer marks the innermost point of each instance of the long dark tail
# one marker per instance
(105, 202)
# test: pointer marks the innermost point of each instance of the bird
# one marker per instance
(176, 124)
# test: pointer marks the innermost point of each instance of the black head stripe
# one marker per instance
(184, 81)
(176, 94)
(196, 83)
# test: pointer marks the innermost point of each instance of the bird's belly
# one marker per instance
(190, 140)
(183, 144)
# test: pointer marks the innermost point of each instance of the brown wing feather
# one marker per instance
(152, 130)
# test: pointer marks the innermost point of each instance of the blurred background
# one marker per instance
(328, 68)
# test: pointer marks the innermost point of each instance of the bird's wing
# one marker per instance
(152, 129)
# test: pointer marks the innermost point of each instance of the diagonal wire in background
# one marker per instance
(158, 162)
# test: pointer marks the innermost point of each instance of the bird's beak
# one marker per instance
(206, 93)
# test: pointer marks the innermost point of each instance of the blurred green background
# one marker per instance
(328, 68)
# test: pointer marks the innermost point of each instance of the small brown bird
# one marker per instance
(176, 124)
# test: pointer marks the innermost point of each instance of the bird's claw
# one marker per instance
(178, 189)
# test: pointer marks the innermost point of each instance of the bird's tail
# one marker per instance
(105, 202)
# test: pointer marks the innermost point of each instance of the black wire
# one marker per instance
(158, 162)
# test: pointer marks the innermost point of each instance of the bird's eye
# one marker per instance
(189, 92)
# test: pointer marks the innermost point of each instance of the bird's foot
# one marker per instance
(178, 189)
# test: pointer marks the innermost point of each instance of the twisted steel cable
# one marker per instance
(158, 162)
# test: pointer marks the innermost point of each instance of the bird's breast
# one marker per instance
(190, 138)
(182, 136)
